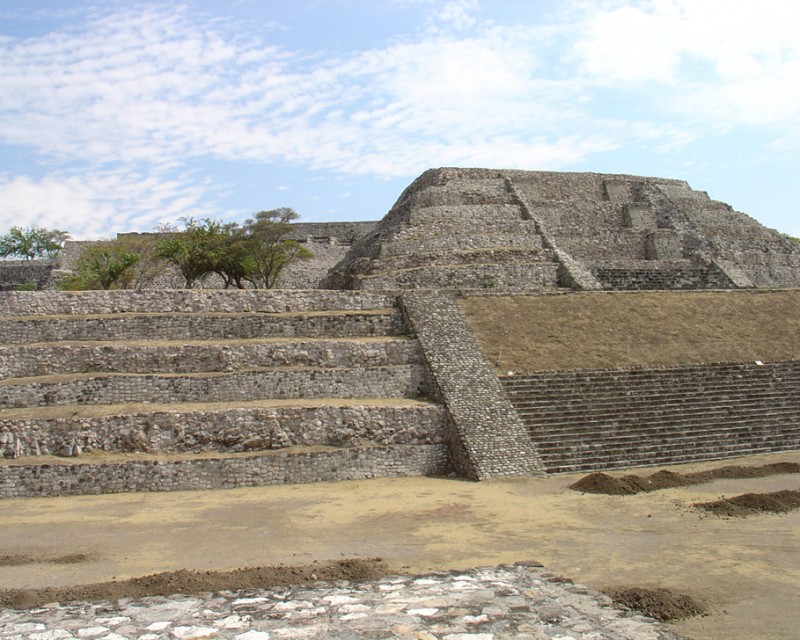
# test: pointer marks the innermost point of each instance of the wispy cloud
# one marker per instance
(97, 204)
(139, 95)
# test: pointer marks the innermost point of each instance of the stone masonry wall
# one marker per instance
(198, 327)
(18, 272)
(226, 429)
(20, 361)
(223, 473)
(647, 276)
(404, 381)
(31, 303)
(489, 440)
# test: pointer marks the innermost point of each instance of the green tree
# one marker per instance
(103, 265)
(194, 249)
(269, 247)
(32, 242)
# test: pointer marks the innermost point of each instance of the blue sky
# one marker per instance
(118, 116)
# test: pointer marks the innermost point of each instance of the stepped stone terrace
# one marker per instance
(369, 363)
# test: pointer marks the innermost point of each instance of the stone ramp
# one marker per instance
(592, 420)
(241, 376)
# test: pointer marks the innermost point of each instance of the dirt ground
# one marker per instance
(744, 571)
(626, 328)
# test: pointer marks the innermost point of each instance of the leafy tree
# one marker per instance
(254, 253)
(32, 242)
(270, 249)
(193, 250)
(103, 265)
(127, 262)
(149, 266)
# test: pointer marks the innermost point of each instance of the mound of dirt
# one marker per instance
(661, 604)
(628, 485)
(191, 582)
(19, 560)
(750, 504)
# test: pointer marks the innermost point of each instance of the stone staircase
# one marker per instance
(448, 231)
(165, 390)
(593, 420)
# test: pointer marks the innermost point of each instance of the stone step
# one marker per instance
(182, 301)
(648, 394)
(202, 355)
(634, 388)
(222, 427)
(212, 326)
(581, 425)
(493, 255)
(536, 276)
(482, 193)
(641, 386)
(26, 477)
(254, 384)
(681, 456)
(413, 243)
(633, 432)
(657, 405)
(459, 213)
(667, 374)
(597, 457)
(453, 229)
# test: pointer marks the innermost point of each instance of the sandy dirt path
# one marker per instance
(745, 570)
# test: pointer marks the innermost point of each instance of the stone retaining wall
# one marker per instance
(27, 360)
(638, 276)
(591, 420)
(525, 277)
(19, 481)
(201, 327)
(403, 381)
(31, 303)
(231, 429)
(18, 272)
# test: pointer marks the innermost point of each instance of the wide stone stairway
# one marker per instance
(592, 420)
(167, 390)
(454, 233)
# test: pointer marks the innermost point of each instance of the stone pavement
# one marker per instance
(521, 602)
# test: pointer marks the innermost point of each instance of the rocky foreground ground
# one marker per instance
(522, 602)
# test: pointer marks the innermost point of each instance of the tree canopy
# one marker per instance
(32, 242)
(255, 252)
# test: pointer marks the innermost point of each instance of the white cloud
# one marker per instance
(98, 204)
(730, 60)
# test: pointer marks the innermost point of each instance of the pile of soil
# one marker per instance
(749, 504)
(632, 484)
(19, 560)
(193, 582)
(661, 604)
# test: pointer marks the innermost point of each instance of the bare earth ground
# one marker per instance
(745, 571)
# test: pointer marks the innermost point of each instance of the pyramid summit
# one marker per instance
(529, 231)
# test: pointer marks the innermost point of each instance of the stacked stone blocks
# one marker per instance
(245, 374)
(591, 420)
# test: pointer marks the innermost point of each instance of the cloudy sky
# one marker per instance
(117, 116)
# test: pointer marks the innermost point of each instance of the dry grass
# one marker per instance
(591, 330)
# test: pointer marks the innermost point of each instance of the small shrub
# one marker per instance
(26, 286)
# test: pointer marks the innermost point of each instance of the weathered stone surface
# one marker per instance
(502, 603)
(594, 228)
